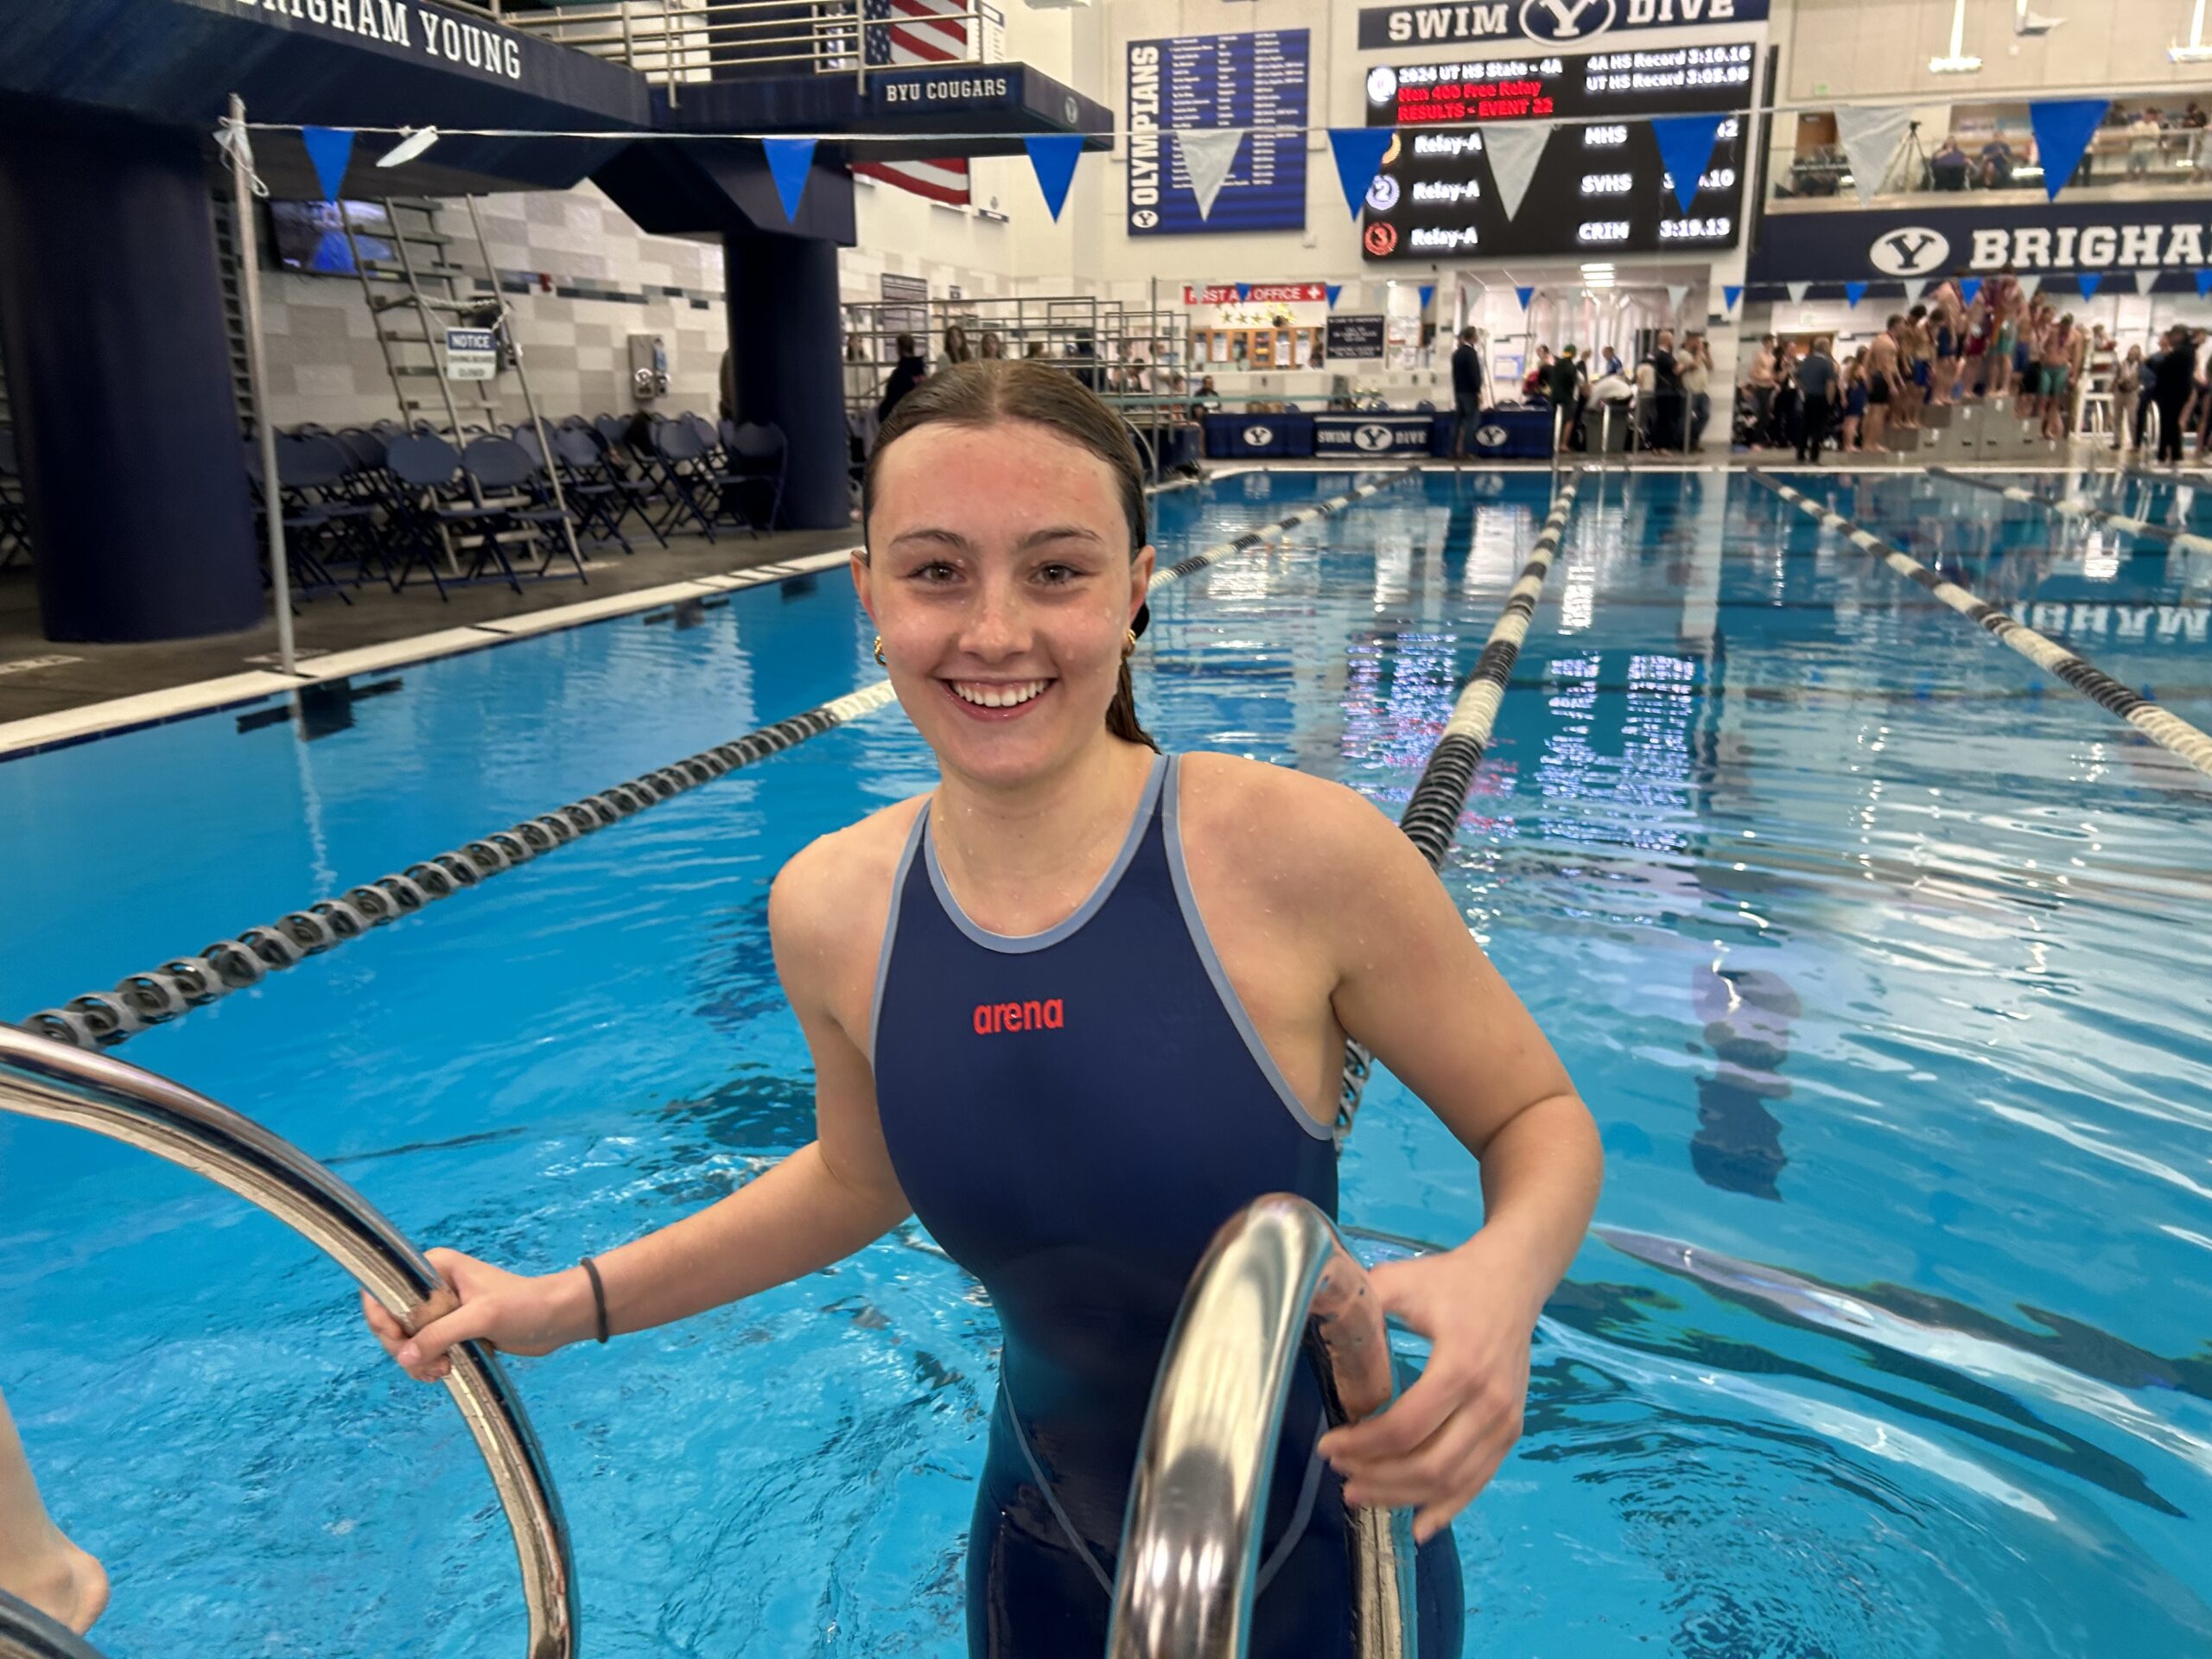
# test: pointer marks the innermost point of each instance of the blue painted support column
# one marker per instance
(119, 382)
(786, 336)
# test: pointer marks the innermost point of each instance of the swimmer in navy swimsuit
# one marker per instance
(1029, 1134)
(1075, 1009)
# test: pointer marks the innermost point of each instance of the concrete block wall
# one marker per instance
(580, 279)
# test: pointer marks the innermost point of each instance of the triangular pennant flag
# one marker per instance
(1334, 288)
(790, 160)
(1052, 157)
(1676, 293)
(2146, 281)
(1854, 292)
(2030, 283)
(1798, 291)
(1969, 287)
(2088, 282)
(2203, 284)
(1915, 288)
(1514, 151)
(2062, 127)
(1359, 157)
(1243, 292)
(1871, 138)
(1428, 293)
(329, 149)
(1208, 153)
(1685, 145)
(1730, 293)
(1526, 293)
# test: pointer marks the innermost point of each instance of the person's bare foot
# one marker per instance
(74, 1590)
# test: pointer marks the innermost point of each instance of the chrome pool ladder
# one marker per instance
(44, 1079)
(1275, 1279)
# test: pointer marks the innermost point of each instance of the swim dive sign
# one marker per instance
(442, 36)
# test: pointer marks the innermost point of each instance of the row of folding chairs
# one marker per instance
(14, 527)
(387, 502)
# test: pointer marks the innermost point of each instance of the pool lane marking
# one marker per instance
(1431, 820)
(2168, 730)
(103, 1018)
(1252, 539)
(2075, 507)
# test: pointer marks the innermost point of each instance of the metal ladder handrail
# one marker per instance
(26, 1633)
(60, 1084)
(1275, 1279)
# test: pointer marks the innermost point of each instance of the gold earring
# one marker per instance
(878, 648)
(1129, 644)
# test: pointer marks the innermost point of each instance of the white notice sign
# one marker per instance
(471, 354)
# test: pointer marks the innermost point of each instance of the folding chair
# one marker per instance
(633, 466)
(694, 483)
(435, 503)
(757, 455)
(307, 528)
(599, 498)
(497, 463)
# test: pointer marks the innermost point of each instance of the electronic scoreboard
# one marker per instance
(1599, 187)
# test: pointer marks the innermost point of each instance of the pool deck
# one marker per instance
(40, 678)
(53, 693)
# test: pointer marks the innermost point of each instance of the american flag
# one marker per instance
(921, 32)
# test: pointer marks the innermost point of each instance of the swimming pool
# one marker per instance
(1876, 952)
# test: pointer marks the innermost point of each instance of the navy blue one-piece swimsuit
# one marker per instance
(1073, 1114)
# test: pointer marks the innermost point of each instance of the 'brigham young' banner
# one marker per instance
(1922, 241)
(442, 35)
(1552, 23)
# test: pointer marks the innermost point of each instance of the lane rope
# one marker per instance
(104, 1019)
(2166, 729)
(2073, 506)
(1431, 820)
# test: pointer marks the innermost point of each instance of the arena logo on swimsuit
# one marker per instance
(993, 1019)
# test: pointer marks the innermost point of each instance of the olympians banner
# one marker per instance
(1245, 81)
(1581, 173)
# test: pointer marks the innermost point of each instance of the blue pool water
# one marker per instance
(1878, 955)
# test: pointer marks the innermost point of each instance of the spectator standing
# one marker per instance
(1997, 162)
(1816, 391)
(2171, 371)
(1467, 393)
(1533, 382)
(1788, 408)
(909, 371)
(2142, 144)
(1948, 166)
(1855, 401)
(956, 349)
(1563, 385)
(1881, 386)
(2127, 400)
(1668, 409)
(1697, 373)
(1760, 383)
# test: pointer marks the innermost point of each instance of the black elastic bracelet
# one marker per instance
(598, 1294)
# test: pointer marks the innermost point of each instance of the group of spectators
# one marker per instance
(2005, 344)
(2148, 142)
(1079, 355)
(2175, 380)
(1666, 395)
